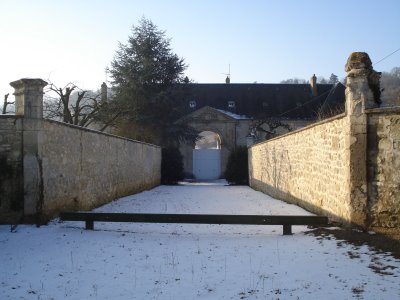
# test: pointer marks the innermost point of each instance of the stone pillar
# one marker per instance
(359, 96)
(29, 97)
(29, 104)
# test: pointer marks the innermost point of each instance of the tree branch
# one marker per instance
(6, 103)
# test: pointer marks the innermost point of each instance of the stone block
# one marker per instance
(84, 169)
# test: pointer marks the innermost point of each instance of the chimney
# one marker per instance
(313, 85)
(104, 92)
(227, 80)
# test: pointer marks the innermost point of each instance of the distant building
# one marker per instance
(232, 115)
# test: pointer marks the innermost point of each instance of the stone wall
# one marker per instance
(83, 169)
(48, 166)
(307, 167)
(383, 168)
(11, 180)
(346, 167)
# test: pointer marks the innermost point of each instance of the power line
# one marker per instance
(386, 57)
(331, 90)
(307, 102)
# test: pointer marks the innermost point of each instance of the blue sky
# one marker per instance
(263, 41)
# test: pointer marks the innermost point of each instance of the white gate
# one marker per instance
(207, 164)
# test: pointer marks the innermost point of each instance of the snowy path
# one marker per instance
(173, 261)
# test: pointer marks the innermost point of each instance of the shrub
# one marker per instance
(237, 170)
(171, 165)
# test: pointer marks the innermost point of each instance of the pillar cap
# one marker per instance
(28, 82)
(358, 60)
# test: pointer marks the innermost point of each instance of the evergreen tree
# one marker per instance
(171, 165)
(333, 79)
(237, 169)
(144, 74)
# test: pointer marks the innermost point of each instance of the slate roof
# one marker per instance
(335, 100)
(234, 116)
(257, 100)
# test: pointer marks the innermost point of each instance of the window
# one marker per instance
(192, 104)
(231, 104)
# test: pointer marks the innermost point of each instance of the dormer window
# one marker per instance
(231, 104)
(192, 104)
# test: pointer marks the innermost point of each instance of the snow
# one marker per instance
(187, 261)
(234, 116)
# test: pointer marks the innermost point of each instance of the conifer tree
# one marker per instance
(145, 73)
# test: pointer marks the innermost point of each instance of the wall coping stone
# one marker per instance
(339, 116)
(98, 132)
(10, 117)
(382, 110)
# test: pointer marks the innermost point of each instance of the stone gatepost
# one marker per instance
(29, 97)
(29, 104)
(362, 92)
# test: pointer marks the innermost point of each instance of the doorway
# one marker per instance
(207, 156)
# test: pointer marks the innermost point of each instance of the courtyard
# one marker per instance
(186, 261)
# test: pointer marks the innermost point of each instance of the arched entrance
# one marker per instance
(207, 156)
(221, 141)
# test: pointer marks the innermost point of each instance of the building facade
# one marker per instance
(235, 115)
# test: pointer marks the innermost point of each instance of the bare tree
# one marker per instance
(268, 127)
(73, 105)
(390, 83)
(322, 80)
(294, 81)
(6, 103)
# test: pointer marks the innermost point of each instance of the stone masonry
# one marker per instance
(49, 166)
(345, 167)
(11, 172)
(307, 167)
(383, 168)
(82, 169)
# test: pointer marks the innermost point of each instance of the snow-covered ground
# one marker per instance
(174, 261)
